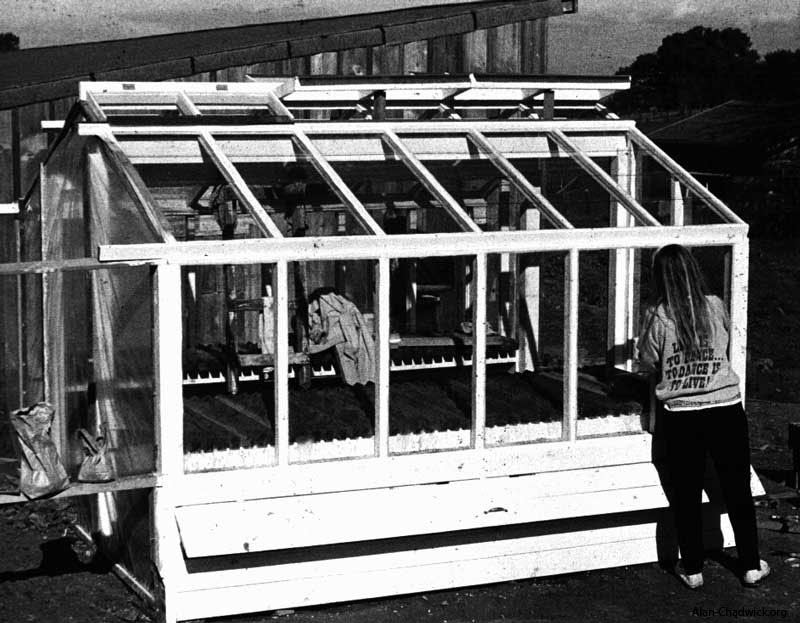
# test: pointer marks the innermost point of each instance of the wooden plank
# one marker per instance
(205, 252)
(137, 189)
(530, 192)
(337, 184)
(428, 29)
(68, 265)
(382, 356)
(534, 46)
(307, 521)
(677, 171)
(92, 109)
(277, 106)
(427, 179)
(739, 270)
(354, 128)
(528, 327)
(242, 56)
(571, 301)
(402, 470)
(126, 483)
(619, 337)
(676, 204)
(238, 185)
(479, 327)
(602, 178)
(186, 106)
(570, 533)
(162, 70)
(335, 41)
(280, 290)
(401, 573)
(168, 351)
(492, 16)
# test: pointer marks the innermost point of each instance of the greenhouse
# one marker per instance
(355, 337)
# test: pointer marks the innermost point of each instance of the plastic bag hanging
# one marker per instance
(41, 471)
(96, 466)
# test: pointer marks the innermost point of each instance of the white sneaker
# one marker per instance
(690, 580)
(752, 577)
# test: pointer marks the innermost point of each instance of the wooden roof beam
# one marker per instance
(186, 106)
(602, 178)
(529, 191)
(239, 186)
(429, 181)
(683, 176)
(332, 178)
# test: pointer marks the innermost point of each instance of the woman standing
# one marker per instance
(685, 341)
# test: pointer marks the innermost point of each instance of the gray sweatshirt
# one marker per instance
(696, 380)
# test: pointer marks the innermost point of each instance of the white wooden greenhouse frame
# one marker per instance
(574, 504)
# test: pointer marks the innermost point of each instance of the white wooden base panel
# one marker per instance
(239, 591)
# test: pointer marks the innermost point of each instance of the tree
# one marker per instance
(9, 42)
(694, 69)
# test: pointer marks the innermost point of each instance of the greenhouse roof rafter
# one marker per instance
(238, 185)
(406, 130)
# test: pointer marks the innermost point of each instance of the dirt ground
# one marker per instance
(42, 579)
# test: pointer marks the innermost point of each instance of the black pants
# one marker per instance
(722, 433)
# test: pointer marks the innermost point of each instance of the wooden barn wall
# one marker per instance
(512, 48)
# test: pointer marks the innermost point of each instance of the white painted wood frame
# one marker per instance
(382, 356)
(602, 178)
(569, 430)
(247, 251)
(621, 312)
(427, 179)
(238, 185)
(280, 290)
(332, 178)
(478, 300)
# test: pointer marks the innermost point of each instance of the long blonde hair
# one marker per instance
(681, 289)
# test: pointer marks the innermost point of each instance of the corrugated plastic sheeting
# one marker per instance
(122, 317)
(67, 330)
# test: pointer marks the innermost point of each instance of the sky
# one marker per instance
(603, 36)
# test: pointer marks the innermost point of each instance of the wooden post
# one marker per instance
(569, 429)
(677, 207)
(167, 352)
(167, 349)
(382, 355)
(411, 279)
(280, 293)
(738, 308)
(620, 274)
(528, 327)
(478, 294)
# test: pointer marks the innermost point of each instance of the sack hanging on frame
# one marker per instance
(96, 466)
(41, 471)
